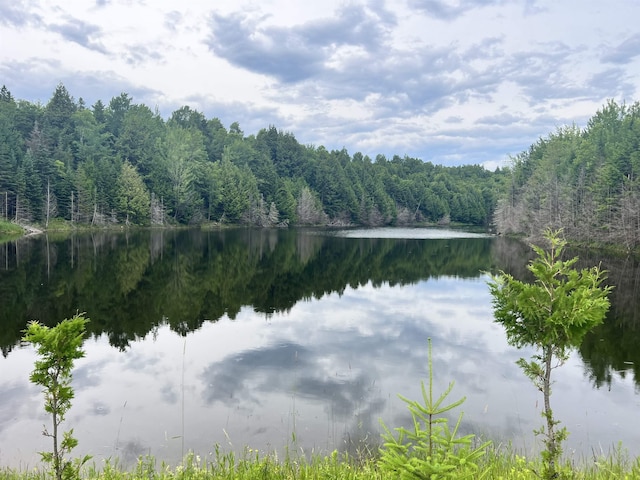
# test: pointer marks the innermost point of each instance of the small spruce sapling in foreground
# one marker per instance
(553, 314)
(58, 347)
(430, 450)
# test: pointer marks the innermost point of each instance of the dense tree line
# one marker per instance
(586, 181)
(123, 163)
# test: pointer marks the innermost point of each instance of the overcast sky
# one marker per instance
(448, 81)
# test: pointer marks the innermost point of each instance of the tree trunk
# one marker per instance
(551, 441)
(48, 204)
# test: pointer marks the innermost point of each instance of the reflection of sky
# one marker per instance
(327, 371)
(432, 233)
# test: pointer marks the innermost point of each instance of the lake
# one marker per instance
(294, 339)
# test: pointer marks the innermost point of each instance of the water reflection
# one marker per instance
(261, 338)
(131, 282)
(611, 350)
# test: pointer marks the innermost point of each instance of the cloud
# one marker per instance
(26, 78)
(12, 399)
(421, 80)
(281, 54)
(539, 72)
(625, 52)
(15, 14)
(173, 19)
(499, 120)
(139, 54)
(169, 394)
(29, 78)
(325, 367)
(248, 377)
(226, 381)
(448, 11)
(79, 32)
(296, 53)
(612, 82)
(87, 376)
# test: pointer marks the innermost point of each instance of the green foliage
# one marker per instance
(286, 200)
(503, 463)
(10, 229)
(139, 142)
(430, 450)
(586, 181)
(559, 308)
(247, 465)
(499, 464)
(58, 347)
(132, 195)
(183, 153)
(553, 314)
(52, 154)
(237, 187)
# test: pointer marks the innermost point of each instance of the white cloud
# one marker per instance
(368, 75)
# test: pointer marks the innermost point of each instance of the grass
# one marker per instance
(498, 463)
(10, 230)
(507, 464)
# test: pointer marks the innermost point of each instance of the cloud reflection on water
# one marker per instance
(327, 370)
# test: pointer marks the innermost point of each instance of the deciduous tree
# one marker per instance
(58, 347)
(552, 314)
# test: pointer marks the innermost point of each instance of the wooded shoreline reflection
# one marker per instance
(131, 282)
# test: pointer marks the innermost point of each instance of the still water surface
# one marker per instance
(298, 339)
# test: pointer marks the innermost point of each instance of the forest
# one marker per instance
(583, 180)
(122, 163)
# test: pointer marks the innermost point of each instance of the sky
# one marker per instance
(452, 82)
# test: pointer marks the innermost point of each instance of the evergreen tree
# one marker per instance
(132, 196)
(140, 141)
(57, 123)
(118, 107)
(9, 150)
(183, 155)
(216, 139)
(237, 190)
(98, 109)
(78, 153)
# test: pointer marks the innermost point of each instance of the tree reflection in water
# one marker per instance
(291, 327)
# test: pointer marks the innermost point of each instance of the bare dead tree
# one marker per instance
(51, 205)
(309, 209)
